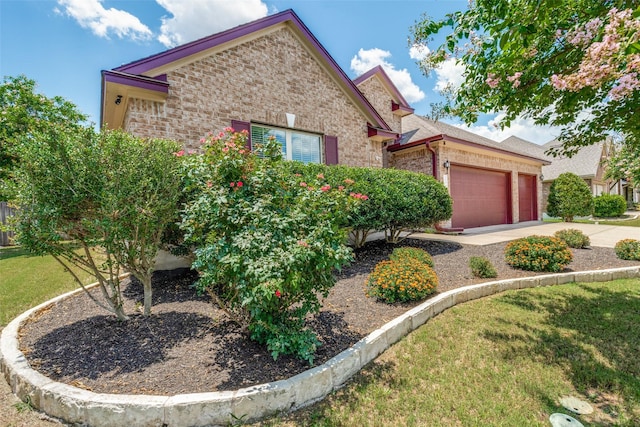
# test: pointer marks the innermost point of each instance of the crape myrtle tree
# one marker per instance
(99, 202)
(574, 64)
(24, 114)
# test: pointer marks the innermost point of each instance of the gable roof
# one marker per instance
(585, 163)
(422, 130)
(524, 146)
(147, 76)
(377, 71)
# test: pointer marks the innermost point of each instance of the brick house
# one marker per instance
(489, 184)
(273, 77)
(270, 77)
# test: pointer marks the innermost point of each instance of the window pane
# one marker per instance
(260, 135)
(306, 148)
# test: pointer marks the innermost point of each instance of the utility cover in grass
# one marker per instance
(564, 420)
(576, 405)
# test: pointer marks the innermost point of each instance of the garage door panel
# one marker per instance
(480, 197)
(527, 198)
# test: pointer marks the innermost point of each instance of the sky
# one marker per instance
(64, 44)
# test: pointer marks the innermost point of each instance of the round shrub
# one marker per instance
(573, 238)
(405, 253)
(569, 196)
(401, 281)
(628, 249)
(538, 253)
(609, 206)
(481, 267)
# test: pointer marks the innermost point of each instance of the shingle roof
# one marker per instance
(522, 145)
(584, 163)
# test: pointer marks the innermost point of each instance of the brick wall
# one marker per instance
(259, 81)
(380, 98)
(413, 159)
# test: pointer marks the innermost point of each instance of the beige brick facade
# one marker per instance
(417, 159)
(256, 81)
(380, 98)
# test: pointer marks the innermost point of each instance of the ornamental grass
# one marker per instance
(538, 253)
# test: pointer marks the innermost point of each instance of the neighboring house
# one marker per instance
(489, 184)
(270, 77)
(588, 163)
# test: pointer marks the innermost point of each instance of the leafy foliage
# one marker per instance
(572, 64)
(418, 254)
(401, 280)
(538, 253)
(110, 191)
(609, 206)
(569, 196)
(25, 115)
(628, 249)
(573, 238)
(266, 241)
(481, 267)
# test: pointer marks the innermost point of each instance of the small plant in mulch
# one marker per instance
(538, 253)
(420, 255)
(628, 249)
(481, 267)
(401, 280)
(573, 238)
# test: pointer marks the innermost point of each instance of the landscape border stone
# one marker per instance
(78, 406)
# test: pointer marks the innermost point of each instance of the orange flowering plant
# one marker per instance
(401, 280)
(407, 252)
(628, 249)
(538, 253)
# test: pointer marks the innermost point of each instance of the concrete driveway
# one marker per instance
(600, 234)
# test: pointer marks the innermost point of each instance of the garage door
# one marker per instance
(527, 200)
(480, 197)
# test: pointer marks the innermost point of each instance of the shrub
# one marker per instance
(628, 249)
(401, 281)
(420, 255)
(569, 196)
(482, 267)
(267, 241)
(538, 253)
(609, 206)
(573, 238)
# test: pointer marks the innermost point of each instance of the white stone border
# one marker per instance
(79, 406)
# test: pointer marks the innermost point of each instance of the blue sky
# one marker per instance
(64, 44)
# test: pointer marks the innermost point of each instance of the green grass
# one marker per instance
(622, 222)
(505, 360)
(27, 280)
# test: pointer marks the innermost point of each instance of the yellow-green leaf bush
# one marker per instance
(628, 249)
(481, 267)
(538, 253)
(573, 238)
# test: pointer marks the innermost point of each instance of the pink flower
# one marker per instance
(320, 176)
(303, 243)
(340, 187)
(209, 184)
(325, 188)
(348, 181)
(364, 197)
(232, 184)
(303, 184)
(239, 184)
(492, 80)
(278, 294)
(179, 153)
(229, 129)
(202, 140)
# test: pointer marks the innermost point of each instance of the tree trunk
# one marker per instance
(148, 294)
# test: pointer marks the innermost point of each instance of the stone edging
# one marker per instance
(79, 406)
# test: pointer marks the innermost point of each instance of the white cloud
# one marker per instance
(368, 59)
(193, 19)
(521, 127)
(103, 22)
(419, 52)
(449, 75)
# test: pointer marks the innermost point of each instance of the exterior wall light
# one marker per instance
(118, 99)
(541, 177)
(446, 164)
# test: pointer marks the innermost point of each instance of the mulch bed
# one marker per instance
(188, 346)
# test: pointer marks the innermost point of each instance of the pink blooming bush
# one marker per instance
(267, 243)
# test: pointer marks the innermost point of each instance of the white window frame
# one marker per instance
(289, 133)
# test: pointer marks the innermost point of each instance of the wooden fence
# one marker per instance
(5, 213)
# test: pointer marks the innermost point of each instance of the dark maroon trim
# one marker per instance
(135, 81)
(396, 107)
(380, 71)
(143, 65)
(371, 131)
(331, 150)
(239, 126)
(444, 137)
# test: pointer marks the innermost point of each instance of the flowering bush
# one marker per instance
(401, 280)
(538, 253)
(573, 238)
(628, 249)
(266, 241)
(482, 267)
(420, 255)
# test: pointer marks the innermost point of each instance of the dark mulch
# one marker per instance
(188, 346)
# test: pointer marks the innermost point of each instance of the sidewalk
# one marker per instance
(600, 234)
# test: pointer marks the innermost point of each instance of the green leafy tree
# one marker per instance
(25, 114)
(570, 63)
(569, 196)
(99, 202)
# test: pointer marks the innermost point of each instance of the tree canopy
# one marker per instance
(567, 63)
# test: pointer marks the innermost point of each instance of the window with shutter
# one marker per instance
(299, 146)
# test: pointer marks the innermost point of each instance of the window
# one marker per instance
(303, 147)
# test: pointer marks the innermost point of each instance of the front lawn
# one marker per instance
(504, 360)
